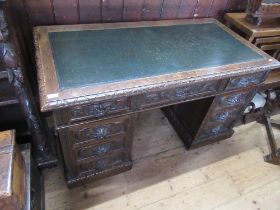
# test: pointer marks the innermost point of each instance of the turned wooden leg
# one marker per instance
(42, 151)
(274, 156)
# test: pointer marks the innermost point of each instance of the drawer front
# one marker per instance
(236, 99)
(213, 130)
(92, 111)
(223, 113)
(103, 163)
(117, 143)
(90, 141)
(223, 116)
(96, 132)
(160, 98)
(246, 81)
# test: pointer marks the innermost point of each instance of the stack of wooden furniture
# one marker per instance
(265, 36)
(21, 184)
(257, 10)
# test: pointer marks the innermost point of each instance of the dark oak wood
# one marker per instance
(152, 10)
(34, 182)
(64, 14)
(13, 62)
(186, 8)
(112, 10)
(133, 10)
(90, 11)
(170, 9)
(94, 121)
(49, 12)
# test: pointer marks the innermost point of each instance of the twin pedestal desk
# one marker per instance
(96, 77)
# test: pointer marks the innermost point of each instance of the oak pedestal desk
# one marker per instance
(96, 77)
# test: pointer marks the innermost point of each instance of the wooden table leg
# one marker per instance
(42, 151)
(274, 156)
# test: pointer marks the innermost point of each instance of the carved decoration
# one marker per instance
(4, 32)
(99, 110)
(214, 131)
(98, 132)
(177, 94)
(233, 100)
(226, 115)
(41, 149)
(102, 164)
(10, 60)
(90, 152)
(245, 81)
(223, 116)
(100, 149)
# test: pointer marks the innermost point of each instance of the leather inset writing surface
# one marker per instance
(103, 56)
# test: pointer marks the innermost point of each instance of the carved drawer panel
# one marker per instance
(226, 115)
(236, 99)
(246, 80)
(104, 163)
(166, 97)
(93, 132)
(213, 131)
(93, 151)
(93, 111)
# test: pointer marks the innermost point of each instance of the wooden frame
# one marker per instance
(51, 97)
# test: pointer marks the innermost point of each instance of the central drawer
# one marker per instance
(175, 95)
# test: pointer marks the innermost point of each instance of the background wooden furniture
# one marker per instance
(34, 187)
(266, 36)
(21, 184)
(259, 9)
(16, 97)
(93, 113)
(12, 173)
(52, 12)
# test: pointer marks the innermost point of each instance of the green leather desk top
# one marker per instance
(92, 57)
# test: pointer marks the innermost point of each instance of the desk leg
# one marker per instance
(274, 156)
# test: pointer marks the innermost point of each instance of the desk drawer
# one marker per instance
(246, 80)
(93, 111)
(118, 143)
(222, 114)
(93, 132)
(225, 115)
(160, 98)
(104, 163)
(236, 99)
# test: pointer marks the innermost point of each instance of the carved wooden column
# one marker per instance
(11, 60)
